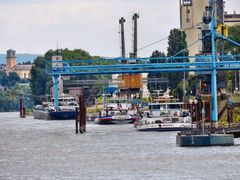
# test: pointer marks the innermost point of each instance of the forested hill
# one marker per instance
(20, 58)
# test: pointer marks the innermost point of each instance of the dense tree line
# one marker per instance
(41, 83)
(10, 80)
(10, 92)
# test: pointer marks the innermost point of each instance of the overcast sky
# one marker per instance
(35, 26)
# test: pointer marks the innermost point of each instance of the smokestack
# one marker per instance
(134, 18)
(121, 22)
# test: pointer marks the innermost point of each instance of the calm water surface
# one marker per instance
(38, 149)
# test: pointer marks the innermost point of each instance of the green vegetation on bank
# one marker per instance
(41, 83)
(10, 92)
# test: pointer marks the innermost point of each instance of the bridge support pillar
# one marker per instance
(214, 74)
(55, 88)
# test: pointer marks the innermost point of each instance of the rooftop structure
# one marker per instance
(232, 19)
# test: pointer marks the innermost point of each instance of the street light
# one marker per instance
(191, 109)
(203, 121)
(194, 109)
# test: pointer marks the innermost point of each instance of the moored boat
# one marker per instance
(165, 116)
(116, 111)
(66, 110)
(164, 123)
(115, 116)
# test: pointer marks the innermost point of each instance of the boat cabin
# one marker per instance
(66, 100)
(119, 104)
(163, 109)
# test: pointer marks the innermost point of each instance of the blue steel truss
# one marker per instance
(211, 62)
(147, 68)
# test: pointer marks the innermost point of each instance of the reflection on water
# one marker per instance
(38, 149)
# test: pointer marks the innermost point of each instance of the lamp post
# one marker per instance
(203, 120)
(196, 111)
(191, 109)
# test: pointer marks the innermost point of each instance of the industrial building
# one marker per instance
(191, 13)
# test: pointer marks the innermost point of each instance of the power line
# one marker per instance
(158, 41)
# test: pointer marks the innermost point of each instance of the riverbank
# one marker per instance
(39, 149)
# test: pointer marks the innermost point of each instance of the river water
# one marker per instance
(38, 149)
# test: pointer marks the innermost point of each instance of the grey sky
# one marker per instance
(34, 26)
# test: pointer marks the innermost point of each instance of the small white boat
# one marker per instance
(116, 111)
(115, 116)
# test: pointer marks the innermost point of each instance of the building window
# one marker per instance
(187, 2)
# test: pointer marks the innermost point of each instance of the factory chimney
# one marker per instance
(134, 19)
(121, 22)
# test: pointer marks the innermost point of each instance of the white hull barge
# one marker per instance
(164, 124)
(165, 116)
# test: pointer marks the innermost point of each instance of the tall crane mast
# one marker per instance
(134, 19)
(121, 22)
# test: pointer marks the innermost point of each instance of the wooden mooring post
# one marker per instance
(81, 116)
(77, 119)
(22, 109)
(84, 118)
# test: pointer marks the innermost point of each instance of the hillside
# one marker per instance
(20, 58)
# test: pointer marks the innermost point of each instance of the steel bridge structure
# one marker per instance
(204, 63)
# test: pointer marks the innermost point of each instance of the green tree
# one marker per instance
(176, 45)
(3, 78)
(231, 48)
(76, 54)
(158, 57)
(39, 78)
(9, 99)
(13, 78)
(9, 80)
(27, 62)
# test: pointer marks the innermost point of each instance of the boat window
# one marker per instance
(112, 113)
(174, 120)
(185, 114)
(158, 121)
(167, 120)
(122, 113)
(174, 106)
(154, 106)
